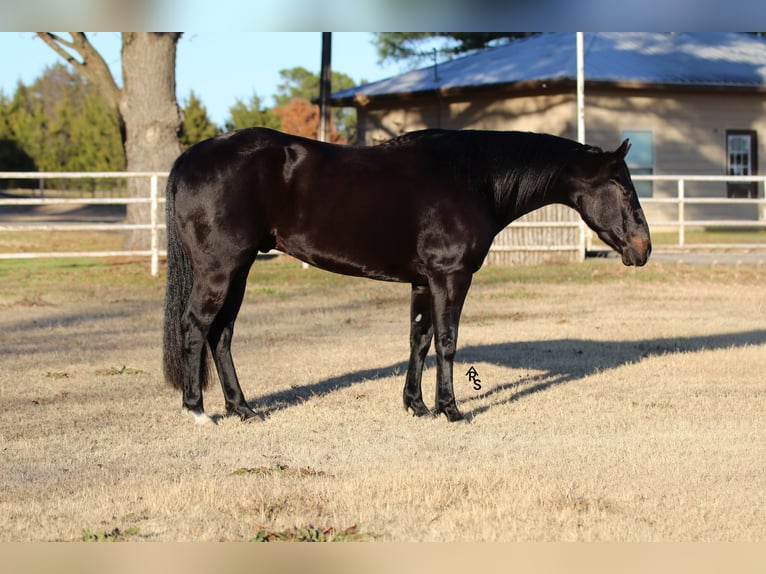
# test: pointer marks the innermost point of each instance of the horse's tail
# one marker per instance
(179, 286)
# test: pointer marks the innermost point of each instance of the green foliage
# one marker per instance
(112, 371)
(116, 535)
(276, 469)
(197, 124)
(251, 114)
(300, 83)
(12, 156)
(59, 123)
(311, 534)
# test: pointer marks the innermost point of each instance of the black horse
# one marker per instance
(421, 209)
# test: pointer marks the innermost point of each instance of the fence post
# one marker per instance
(584, 243)
(681, 212)
(154, 232)
(762, 213)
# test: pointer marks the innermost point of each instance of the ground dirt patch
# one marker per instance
(615, 404)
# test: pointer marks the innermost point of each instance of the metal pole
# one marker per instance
(586, 237)
(324, 88)
(580, 89)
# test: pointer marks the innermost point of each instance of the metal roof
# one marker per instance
(722, 59)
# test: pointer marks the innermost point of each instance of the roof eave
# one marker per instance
(361, 99)
(558, 85)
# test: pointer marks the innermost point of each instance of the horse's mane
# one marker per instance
(513, 168)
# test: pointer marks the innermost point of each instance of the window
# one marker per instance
(640, 159)
(741, 159)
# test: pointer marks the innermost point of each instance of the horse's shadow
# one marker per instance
(555, 362)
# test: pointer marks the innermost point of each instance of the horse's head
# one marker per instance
(601, 190)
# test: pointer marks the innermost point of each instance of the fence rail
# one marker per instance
(156, 223)
(681, 200)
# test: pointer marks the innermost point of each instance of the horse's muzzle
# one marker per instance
(637, 252)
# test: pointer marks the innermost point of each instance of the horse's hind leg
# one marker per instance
(421, 333)
(209, 296)
(219, 339)
(203, 306)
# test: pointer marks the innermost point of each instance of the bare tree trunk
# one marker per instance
(151, 114)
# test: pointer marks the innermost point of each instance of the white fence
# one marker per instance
(156, 222)
(154, 225)
(681, 223)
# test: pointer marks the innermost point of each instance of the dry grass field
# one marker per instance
(615, 405)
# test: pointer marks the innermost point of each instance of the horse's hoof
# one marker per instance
(251, 416)
(419, 409)
(244, 412)
(200, 418)
(453, 415)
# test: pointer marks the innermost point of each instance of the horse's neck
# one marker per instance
(517, 204)
(531, 193)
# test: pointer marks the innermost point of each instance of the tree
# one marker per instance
(252, 114)
(61, 122)
(300, 117)
(27, 123)
(197, 125)
(300, 83)
(12, 156)
(96, 139)
(146, 108)
(412, 45)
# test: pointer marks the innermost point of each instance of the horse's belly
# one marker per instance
(359, 258)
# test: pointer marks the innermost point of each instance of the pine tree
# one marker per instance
(197, 125)
(12, 156)
(253, 114)
(27, 123)
(61, 123)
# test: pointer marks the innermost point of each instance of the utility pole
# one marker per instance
(324, 88)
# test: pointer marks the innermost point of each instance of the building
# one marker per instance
(691, 103)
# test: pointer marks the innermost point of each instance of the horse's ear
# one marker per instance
(623, 150)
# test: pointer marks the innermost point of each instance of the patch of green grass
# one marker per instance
(711, 236)
(56, 280)
(59, 241)
(114, 371)
(577, 273)
(116, 535)
(277, 468)
(312, 534)
(51, 282)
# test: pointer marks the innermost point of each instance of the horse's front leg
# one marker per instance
(421, 333)
(448, 297)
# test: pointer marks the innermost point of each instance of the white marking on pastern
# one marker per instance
(199, 418)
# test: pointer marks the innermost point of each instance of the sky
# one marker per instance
(219, 67)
